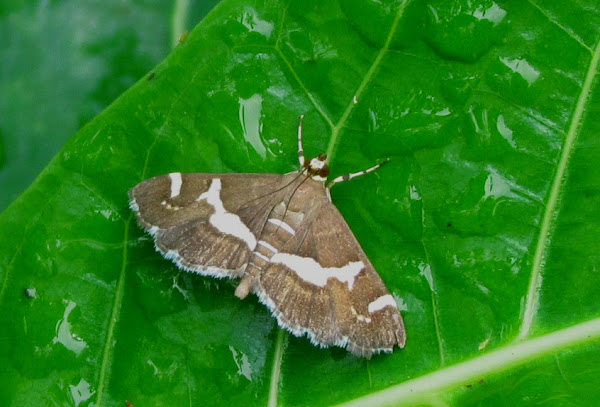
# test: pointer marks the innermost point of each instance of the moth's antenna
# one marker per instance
(300, 149)
(347, 177)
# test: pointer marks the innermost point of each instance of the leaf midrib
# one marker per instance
(333, 141)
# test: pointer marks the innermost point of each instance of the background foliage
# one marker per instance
(64, 61)
(484, 225)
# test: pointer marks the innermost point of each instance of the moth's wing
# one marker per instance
(336, 299)
(205, 223)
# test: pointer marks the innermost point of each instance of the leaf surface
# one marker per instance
(484, 224)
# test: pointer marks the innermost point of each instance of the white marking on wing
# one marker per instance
(176, 182)
(226, 222)
(382, 302)
(282, 225)
(309, 270)
(361, 318)
(169, 206)
(268, 246)
(153, 230)
(262, 256)
(299, 330)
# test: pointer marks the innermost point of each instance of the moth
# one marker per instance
(284, 238)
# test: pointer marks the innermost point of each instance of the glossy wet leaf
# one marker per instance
(484, 225)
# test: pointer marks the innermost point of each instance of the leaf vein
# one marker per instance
(18, 249)
(517, 354)
(549, 216)
(566, 30)
(276, 369)
(335, 133)
(114, 317)
(308, 93)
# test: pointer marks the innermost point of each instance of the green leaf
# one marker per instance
(484, 225)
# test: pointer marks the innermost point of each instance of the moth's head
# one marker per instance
(317, 168)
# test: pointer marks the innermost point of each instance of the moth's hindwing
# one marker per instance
(205, 223)
(321, 283)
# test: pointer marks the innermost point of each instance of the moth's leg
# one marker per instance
(347, 177)
(244, 287)
(300, 149)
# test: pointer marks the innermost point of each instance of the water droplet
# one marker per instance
(523, 68)
(250, 114)
(81, 392)
(242, 362)
(251, 20)
(464, 32)
(64, 335)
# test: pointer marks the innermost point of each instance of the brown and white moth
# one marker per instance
(287, 242)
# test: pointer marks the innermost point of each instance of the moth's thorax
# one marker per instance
(317, 168)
